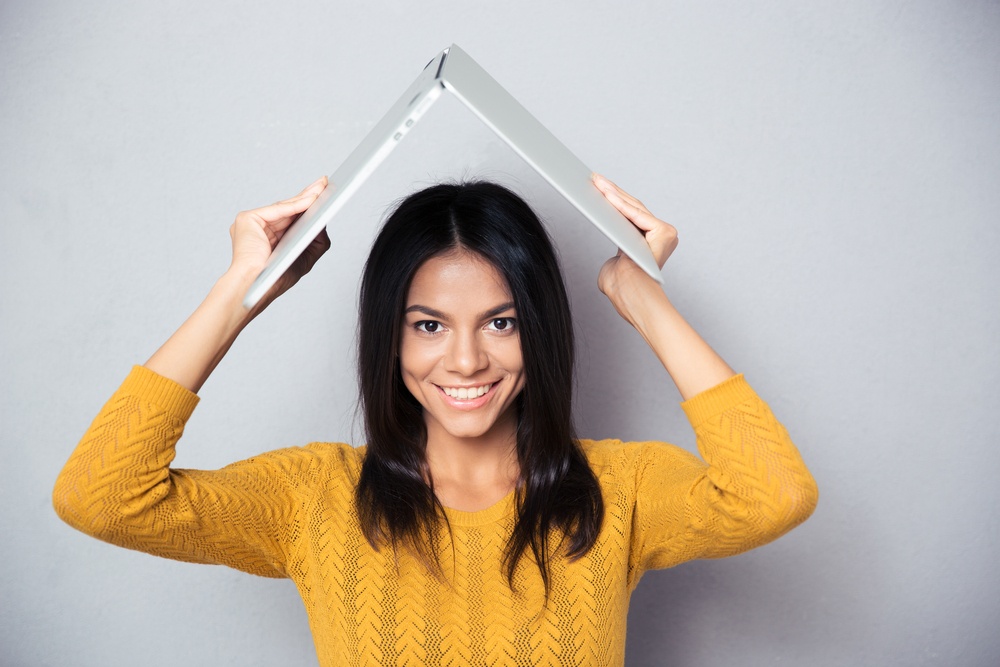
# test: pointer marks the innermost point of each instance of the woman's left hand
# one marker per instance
(692, 364)
(620, 274)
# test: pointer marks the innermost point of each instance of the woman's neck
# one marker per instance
(488, 461)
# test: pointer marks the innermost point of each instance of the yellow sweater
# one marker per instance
(289, 513)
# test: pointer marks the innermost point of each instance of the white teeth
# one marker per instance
(466, 393)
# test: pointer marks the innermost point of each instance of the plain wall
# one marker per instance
(833, 170)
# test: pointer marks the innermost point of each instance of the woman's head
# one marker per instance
(472, 220)
(484, 229)
(459, 353)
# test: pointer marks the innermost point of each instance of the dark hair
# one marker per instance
(556, 487)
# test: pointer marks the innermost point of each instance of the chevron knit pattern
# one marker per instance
(289, 513)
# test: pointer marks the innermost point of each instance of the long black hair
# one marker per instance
(556, 488)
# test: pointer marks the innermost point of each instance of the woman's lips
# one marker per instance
(467, 403)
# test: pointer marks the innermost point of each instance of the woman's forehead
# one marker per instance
(459, 280)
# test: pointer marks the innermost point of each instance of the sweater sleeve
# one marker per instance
(751, 487)
(118, 486)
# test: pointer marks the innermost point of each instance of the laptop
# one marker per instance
(453, 72)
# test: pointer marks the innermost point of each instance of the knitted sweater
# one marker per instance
(290, 513)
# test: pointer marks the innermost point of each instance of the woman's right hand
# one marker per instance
(255, 233)
(193, 351)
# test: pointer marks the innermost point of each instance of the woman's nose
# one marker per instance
(465, 354)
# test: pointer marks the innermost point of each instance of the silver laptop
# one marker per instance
(453, 71)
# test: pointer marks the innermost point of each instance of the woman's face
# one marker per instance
(460, 355)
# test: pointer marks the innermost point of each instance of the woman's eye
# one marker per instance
(428, 326)
(502, 324)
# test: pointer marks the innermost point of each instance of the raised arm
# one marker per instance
(118, 485)
(691, 363)
(196, 348)
(752, 485)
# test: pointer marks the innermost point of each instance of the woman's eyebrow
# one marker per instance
(417, 308)
(437, 314)
(496, 311)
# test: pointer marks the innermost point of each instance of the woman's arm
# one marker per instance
(196, 348)
(118, 485)
(691, 363)
(752, 485)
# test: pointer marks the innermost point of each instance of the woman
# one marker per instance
(473, 528)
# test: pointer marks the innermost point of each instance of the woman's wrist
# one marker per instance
(230, 289)
(636, 297)
(192, 353)
(691, 362)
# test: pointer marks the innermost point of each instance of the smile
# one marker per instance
(466, 393)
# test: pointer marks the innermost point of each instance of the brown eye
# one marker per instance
(502, 324)
(428, 326)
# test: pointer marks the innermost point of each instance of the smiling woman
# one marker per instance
(473, 527)
(465, 366)
(476, 299)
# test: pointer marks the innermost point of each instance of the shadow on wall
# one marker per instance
(666, 611)
(694, 613)
(759, 608)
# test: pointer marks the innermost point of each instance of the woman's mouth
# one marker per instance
(467, 393)
(467, 398)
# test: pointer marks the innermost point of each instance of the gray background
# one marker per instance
(832, 169)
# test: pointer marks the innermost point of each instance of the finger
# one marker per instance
(318, 184)
(313, 189)
(660, 236)
(283, 210)
(629, 206)
(617, 194)
(606, 185)
(296, 204)
(316, 249)
(321, 243)
(638, 215)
